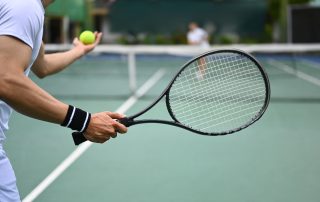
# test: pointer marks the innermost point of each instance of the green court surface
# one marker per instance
(276, 159)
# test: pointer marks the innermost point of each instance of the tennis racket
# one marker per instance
(216, 93)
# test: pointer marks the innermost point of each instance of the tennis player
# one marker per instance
(22, 51)
(197, 36)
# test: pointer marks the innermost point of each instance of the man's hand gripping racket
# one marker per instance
(216, 93)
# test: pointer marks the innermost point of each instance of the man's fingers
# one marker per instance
(103, 126)
(98, 36)
(114, 135)
(120, 127)
(76, 40)
(117, 125)
(98, 138)
(90, 47)
(115, 115)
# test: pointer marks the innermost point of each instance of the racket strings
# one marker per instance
(220, 73)
(223, 109)
(224, 116)
(218, 92)
(222, 83)
(226, 94)
(225, 86)
(218, 84)
(226, 120)
(221, 113)
(207, 87)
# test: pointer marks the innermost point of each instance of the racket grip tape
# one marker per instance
(126, 121)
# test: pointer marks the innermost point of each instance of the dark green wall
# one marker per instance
(245, 17)
(76, 9)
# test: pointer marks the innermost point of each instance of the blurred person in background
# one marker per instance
(199, 37)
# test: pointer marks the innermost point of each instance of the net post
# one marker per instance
(132, 71)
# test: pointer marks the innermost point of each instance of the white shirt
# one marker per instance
(24, 20)
(198, 36)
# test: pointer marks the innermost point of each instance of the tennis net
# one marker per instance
(118, 70)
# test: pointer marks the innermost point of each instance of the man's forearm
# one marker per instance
(48, 64)
(27, 98)
(56, 62)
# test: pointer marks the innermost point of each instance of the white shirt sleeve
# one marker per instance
(21, 19)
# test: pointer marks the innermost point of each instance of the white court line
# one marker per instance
(297, 73)
(86, 145)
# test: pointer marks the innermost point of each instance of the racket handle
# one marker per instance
(78, 138)
(125, 121)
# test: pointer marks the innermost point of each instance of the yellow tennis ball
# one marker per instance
(87, 37)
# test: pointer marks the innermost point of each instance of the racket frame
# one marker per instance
(129, 121)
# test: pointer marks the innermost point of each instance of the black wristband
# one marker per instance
(76, 119)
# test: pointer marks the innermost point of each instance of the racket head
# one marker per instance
(219, 92)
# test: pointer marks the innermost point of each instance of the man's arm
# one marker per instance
(48, 64)
(18, 90)
(22, 94)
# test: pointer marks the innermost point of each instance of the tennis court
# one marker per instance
(275, 159)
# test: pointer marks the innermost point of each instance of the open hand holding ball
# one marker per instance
(87, 37)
